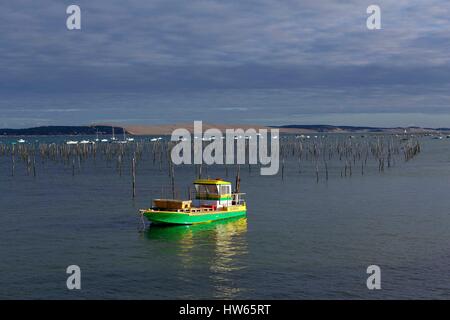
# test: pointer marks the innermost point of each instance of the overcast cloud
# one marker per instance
(302, 57)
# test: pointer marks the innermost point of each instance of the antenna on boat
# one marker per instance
(238, 180)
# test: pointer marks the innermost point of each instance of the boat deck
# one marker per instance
(195, 210)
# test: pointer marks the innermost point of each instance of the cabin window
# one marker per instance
(225, 189)
(211, 188)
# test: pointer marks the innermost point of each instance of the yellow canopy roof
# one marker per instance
(211, 181)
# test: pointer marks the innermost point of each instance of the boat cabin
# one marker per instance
(211, 194)
(214, 193)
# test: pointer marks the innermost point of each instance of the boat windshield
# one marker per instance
(206, 189)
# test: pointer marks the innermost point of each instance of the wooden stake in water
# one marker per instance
(34, 166)
(317, 172)
(13, 165)
(172, 180)
(133, 176)
(238, 179)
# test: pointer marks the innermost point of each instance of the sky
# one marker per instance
(235, 61)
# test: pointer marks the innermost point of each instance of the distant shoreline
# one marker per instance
(168, 129)
(62, 130)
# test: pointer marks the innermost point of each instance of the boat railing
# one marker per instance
(238, 198)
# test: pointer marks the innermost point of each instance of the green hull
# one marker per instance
(198, 232)
(182, 218)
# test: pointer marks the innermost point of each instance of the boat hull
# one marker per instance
(181, 218)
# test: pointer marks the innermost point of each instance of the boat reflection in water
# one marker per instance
(215, 250)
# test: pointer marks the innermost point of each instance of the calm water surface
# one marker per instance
(301, 239)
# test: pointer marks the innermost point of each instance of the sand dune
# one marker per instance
(168, 129)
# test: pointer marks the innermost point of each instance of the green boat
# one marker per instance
(213, 201)
(217, 230)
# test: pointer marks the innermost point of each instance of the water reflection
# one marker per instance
(211, 252)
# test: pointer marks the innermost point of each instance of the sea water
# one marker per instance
(301, 239)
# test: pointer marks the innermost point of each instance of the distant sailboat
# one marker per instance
(113, 136)
(125, 137)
